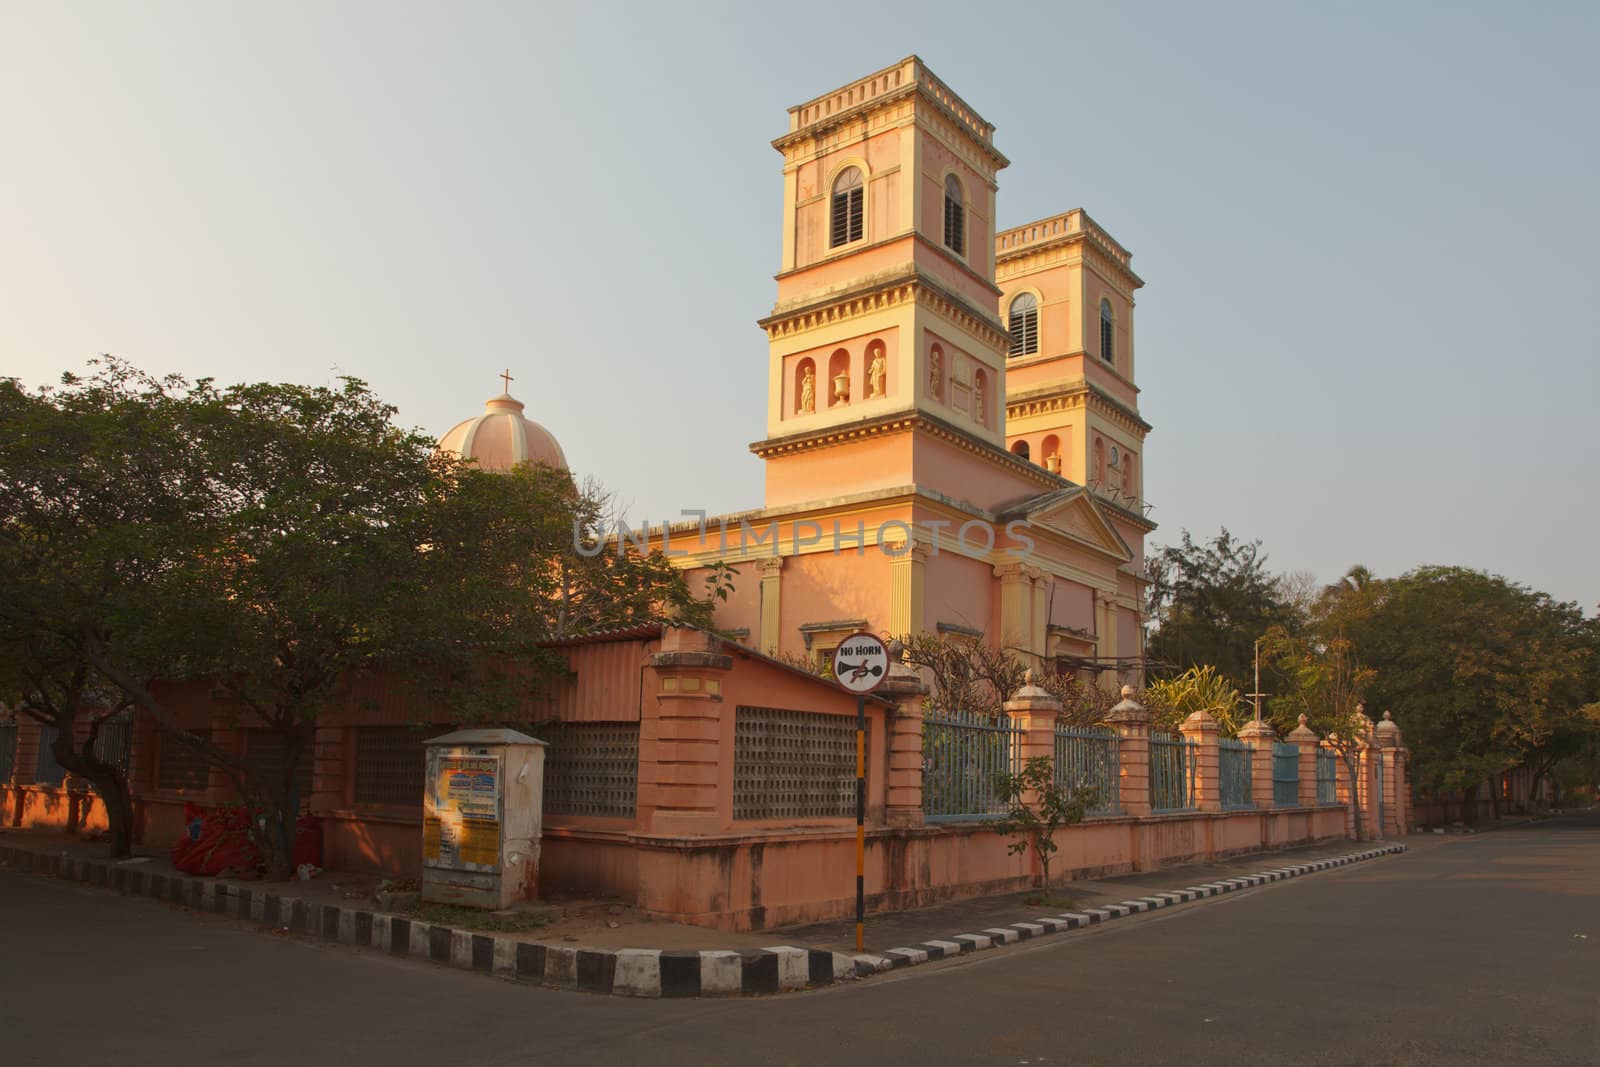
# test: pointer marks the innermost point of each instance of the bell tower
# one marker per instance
(1071, 403)
(883, 343)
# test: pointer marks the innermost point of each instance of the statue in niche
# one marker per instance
(977, 399)
(876, 374)
(936, 374)
(808, 392)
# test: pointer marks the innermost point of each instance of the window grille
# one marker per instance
(389, 764)
(793, 764)
(47, 771)
(179, 768)
(264, 755)
(1108, 333)
(955, 217)
(845, 209)
(115, 739)
(1023, 323)
(591, 768)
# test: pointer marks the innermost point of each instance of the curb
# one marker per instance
(960, 944)
(630, 972)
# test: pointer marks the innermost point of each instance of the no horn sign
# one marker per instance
(861, 663)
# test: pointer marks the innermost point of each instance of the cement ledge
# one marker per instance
(621, 972)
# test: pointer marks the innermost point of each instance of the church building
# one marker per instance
(953, 441)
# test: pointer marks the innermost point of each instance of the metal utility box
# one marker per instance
(483, 806)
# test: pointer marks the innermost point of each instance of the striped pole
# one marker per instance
(861, 822)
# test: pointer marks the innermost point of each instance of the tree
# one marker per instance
(1173, 700)
(1036, 807)
(98, 492)
(1485, 674)
(278, 540)
(1209, 603)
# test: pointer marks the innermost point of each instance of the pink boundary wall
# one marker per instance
(683, 856)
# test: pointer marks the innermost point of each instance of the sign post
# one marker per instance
(860, 665)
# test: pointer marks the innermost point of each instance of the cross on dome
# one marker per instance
(508, 379)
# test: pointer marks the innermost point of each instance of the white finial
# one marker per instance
(1302, 718)
(1386, 717)
(1127, 692)
(1027, 676)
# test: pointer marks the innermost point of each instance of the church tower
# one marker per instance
(885, 353)
(1071, 403)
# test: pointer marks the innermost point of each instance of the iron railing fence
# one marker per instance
(8, 750)
(1172, 772)
(962, 753)
(1285, 774)
(1236, 774)
(115, 740)
(1090, 759)
(1327, 778)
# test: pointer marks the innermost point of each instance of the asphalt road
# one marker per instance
(1482, 950)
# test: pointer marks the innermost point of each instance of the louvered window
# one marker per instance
(955, 217)
(1023, 323)
(1108, 333)
(844, 212)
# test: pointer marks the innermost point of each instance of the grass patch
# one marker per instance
(473, 919)
(1047, 900)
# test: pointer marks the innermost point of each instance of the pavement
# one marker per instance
(1482, 949)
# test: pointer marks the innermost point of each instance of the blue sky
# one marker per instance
(1369, 334)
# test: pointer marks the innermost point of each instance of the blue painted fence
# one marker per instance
(962, 753)
(1235, 771)
(1090, 758)
(1285, 774)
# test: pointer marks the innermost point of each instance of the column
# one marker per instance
(329, 770)
(903, 794)
(1131, 721)
(771, 636)
(681, 737)
(1107, 650)
(1310, 745)
(1260, 735)
(1203, 730)
(1016, 604)
(1033, 712)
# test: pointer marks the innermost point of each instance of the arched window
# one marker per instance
(844, 212)
(1020, 450)
(955, 217)
(1108, 333)
(1023, 322)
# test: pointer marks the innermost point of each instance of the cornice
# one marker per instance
(1051, 398)
(880, 295)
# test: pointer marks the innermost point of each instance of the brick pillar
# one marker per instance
(1260, 735)
(681, 750)
(329, 777)
(1033, 712)
(903, 726)
(1386, 736)
(1310, 745)
(1203, 730)
(1131, 721)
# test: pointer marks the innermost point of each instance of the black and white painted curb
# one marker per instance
(993, 937)
(624, 972)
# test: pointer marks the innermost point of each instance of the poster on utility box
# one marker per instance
(461, 827)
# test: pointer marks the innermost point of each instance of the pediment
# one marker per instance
(1077, 518)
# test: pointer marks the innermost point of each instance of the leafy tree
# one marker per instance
(99, 496)
(1036, 807)
(1209, 603)
(1483, 674)
(1172, 700)
(278, 539)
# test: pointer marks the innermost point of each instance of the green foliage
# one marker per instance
(1208, 603)
(1172, 700)
(1036, 807)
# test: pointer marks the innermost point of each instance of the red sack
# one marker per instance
(217, 840)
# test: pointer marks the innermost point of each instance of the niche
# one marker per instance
(805, 386)
(839, 378)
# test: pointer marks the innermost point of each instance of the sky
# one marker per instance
(1369, 332)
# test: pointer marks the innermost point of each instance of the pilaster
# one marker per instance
(906, 584)
(771, 571)
(1260, 735)
(1131, 721)
(1203, 731)
(1309, 745)
(903, 725)
(681, 737)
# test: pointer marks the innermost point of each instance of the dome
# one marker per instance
(502, 437)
